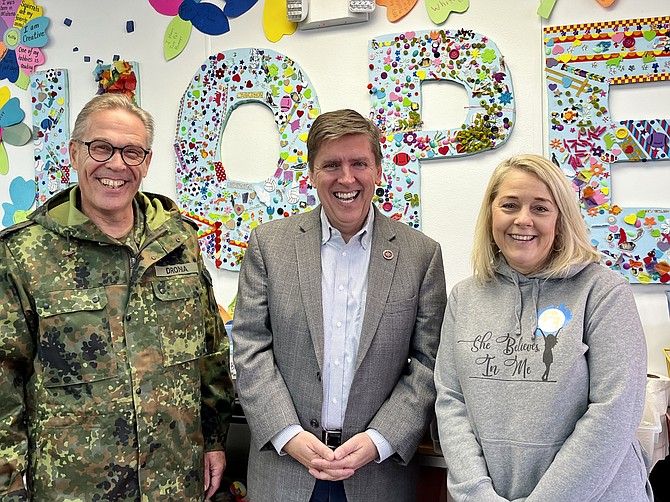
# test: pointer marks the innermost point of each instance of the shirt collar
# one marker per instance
(364, 234)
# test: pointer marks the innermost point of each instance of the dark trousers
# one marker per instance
(328, 491)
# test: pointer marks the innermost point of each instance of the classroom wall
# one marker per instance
(335, 60)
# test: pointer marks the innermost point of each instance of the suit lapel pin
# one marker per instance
(387, 254)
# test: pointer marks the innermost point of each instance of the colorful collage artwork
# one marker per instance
(51, 126)
(227, 210)
(583, 62)
(398, 65)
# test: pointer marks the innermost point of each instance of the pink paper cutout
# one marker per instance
(166, 7)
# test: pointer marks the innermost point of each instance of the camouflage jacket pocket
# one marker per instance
(74, 343)
(181, 325)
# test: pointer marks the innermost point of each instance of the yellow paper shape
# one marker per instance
(176, 37)
(275, 20)
(397, 9)
(26, 11)
(439, 10)
(605, 3)
(4, 95)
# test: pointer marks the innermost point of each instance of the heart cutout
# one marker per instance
(617, 37)
(649, 35)
(630, 219)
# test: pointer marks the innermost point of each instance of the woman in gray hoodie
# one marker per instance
(541, 369)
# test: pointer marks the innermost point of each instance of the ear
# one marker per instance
(145, 164)
(378, 174)
(73, 149)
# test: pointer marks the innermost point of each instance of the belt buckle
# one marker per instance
(331, 438)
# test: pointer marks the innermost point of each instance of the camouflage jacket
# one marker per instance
(113, 358)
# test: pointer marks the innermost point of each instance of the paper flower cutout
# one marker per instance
(12, 128)
(204, 16)
(118, 77)
(24, 32)
(22, 193)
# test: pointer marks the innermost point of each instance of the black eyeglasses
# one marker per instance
(102, 151)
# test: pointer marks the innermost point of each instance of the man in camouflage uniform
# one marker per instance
(114, 381)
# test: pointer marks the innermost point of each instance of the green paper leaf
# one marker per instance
(23, 81)
(439, 10)
(545, 8)
(4, 161)
(20, 216)
(176, 37)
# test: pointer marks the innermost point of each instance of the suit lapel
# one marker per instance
(383, 261)
(308, 251)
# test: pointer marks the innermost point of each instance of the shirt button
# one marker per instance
(334, 400)
(339, 324)
(138, 391)
(314, 423)
(344, 253)
(128, 317)
(318, 376)
(337, 362)
(341, 287)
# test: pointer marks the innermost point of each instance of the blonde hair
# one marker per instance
(571, 244)
(112, 101)
(334, 125)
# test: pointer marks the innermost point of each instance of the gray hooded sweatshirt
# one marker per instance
(541, 387)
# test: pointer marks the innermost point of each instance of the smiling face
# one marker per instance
(524, 217)
(108, 188)
(345, 174)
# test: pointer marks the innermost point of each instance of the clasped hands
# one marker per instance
(332, 465)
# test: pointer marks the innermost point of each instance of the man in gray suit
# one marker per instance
(335, 333)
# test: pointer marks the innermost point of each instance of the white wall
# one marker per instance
(335, 59)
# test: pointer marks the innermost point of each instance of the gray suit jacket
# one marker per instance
(278, 353)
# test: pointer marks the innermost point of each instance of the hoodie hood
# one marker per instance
(506, 273)
(61, 215)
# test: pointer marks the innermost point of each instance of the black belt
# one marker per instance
(332, 439)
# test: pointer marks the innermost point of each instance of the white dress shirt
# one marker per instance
(344, 279)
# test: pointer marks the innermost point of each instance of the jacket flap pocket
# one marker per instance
(70, 300)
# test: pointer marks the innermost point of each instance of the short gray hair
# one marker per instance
(112, 101)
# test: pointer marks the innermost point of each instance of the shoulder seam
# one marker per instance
(18, 226)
